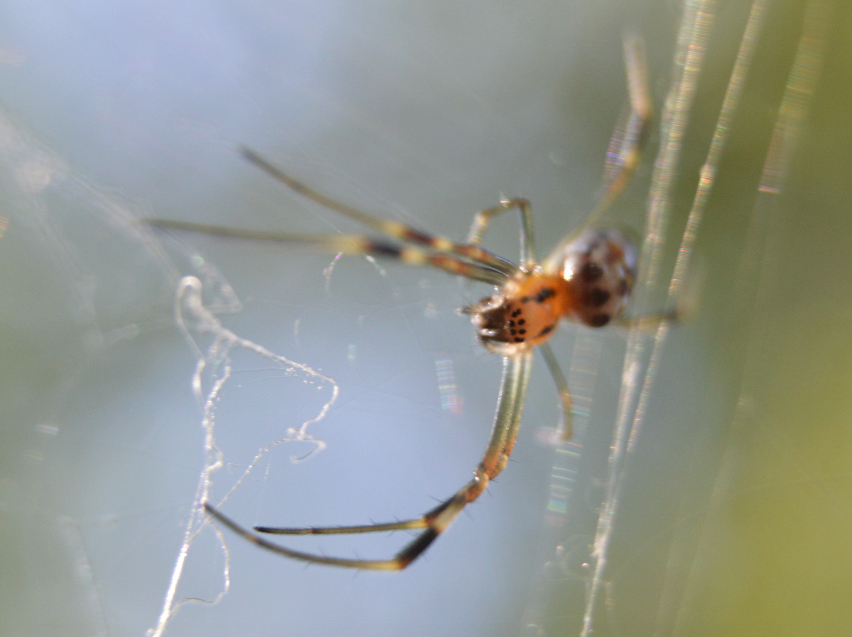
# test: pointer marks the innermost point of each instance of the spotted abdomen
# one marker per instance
(600, 269)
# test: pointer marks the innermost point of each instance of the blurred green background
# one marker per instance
(734, 517)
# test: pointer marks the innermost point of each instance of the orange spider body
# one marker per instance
(524, 312)
(592, 284)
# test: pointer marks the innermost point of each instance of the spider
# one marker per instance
(587, 279)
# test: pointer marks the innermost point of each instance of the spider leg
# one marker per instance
(625, 145)
(483, 218)
(624, 151)
(393, 229)
(561, 388)
(376, 565)
(516, 375)
(348, 244)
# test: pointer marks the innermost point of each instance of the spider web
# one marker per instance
(585, 561)
(120, 425)
(81, 226)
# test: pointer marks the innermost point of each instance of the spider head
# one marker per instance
(521, 314)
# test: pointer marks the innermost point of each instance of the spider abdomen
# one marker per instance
(599, 268)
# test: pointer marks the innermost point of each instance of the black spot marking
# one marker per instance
(597, 297)
(522, 331)
(544, 294)
(547, 330)
(511, 323)
(517, 312)
(512, 332)
(591, 272)
(525, 299)
(383, 250)
(522, 321)
(599, 320)
(519, 339)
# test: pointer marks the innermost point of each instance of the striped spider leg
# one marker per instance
(587, 279)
